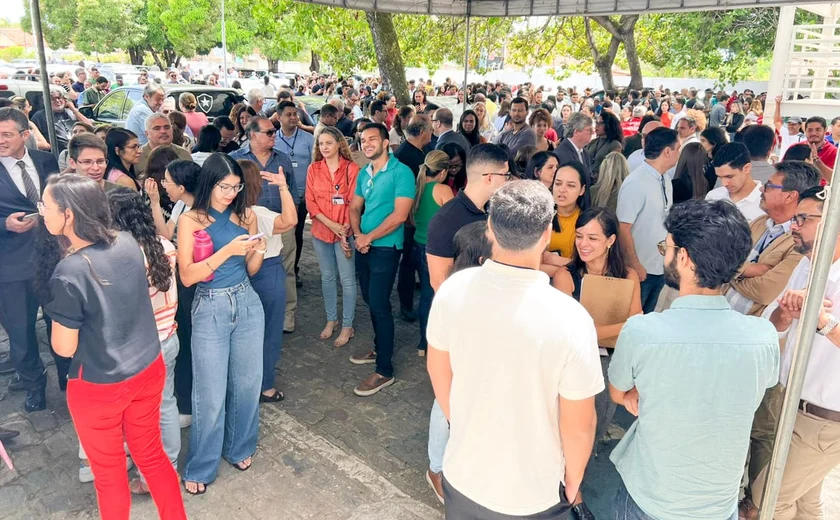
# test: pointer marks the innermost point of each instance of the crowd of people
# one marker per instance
(167, 268)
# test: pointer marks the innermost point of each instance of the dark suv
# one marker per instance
(115, 106)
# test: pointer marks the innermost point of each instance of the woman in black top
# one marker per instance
(103, 317)
(712, 139)
(468, 127)
(609, 138)
(690, 176)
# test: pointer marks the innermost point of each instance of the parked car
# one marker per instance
(115, 106)
(31, 90)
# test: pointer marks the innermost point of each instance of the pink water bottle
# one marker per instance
(202, 249)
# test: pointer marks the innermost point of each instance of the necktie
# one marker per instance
(28, 185)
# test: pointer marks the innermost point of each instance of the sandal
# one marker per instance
(330, 326)
(246, 468)
(138, 487)
(200, 488)
(341, 341)
(276, 397)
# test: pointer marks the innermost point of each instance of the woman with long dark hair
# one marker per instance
(228, 322)
(420, 99)
(131, 214)
(690, 175)
(397, 133)
(712, 139)
(468, 127)
(457, 177)
(209, 140)
(241, 114)
(123, 155)
(117, 374)
(331, 178)
(664, 112)
(541, 167)
(609, 138)
(390, 108)
(429, 196)
(568, 188)
(159, 160)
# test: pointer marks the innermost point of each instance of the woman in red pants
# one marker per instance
(102, 316)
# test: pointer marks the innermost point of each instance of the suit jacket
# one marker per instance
(453, 137)
(764, 289)
(17, 249)
(566, 152)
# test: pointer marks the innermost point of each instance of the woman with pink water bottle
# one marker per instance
(228, 323)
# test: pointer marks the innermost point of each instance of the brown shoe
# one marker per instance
(435, 481)
(373, 384)
(365, 358)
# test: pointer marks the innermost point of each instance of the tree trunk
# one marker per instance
(272, 64)
(624, 31)
(315, 62)
(136, 55)
(603, 62)
(388, 55)
(636, 81)
(156, 57)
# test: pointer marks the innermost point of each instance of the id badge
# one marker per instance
(294, 164)
(338, 200)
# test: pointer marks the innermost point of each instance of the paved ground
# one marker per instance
(323, 453)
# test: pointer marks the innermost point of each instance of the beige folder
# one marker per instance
(607, 300)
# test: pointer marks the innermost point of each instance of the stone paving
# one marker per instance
(323, 453)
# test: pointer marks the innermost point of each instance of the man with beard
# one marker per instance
(65, 115)
(823, 153)
(521, 134)
(814, 448)
(385, 190)
(694, 376)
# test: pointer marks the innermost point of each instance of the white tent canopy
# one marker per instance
(546, 7)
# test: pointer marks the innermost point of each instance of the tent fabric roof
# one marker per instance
(546, 7)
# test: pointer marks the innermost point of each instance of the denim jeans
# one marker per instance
(651, 288)
(405, 279)
(270, 285)
(426, 291)
(227, 342)
(626, 509)
(438, 438)
(377, 270)
(334, 265)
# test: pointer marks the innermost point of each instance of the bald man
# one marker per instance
(638, 157)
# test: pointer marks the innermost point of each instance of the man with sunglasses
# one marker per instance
(694, 376)
(65, 115)
(815, 446)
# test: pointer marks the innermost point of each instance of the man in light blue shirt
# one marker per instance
(694, 375)
(153, 98)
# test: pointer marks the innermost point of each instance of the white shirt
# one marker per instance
(357, 112)
(822, 386)
(265, 224)
(515, 345)
(750, 205)
(10, 163)
(636, 159)
(676, 119)
(789, 140)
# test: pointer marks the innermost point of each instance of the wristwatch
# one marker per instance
(832, 323)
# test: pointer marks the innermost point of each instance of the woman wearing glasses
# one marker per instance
(228, 322)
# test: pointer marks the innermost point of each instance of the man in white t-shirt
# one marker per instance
(733, 169)
(515, 367)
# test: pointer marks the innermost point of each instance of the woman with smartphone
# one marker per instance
(227, 322)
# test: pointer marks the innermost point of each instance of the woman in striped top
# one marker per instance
(131, 214)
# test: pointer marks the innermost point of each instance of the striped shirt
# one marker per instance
(165, 303)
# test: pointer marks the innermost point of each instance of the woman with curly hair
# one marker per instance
(131, 214)
(241, 114)
(541, 121)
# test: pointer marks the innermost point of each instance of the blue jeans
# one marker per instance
(438, 438)
(426, 291)
(651, 288)
(334, 265)
(170, 426)
(626, 509)
(270, 285)
(377, 270)
(227, 344)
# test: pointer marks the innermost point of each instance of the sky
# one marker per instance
(13, 11)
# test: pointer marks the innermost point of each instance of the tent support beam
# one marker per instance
(467, 50)
(35, 9)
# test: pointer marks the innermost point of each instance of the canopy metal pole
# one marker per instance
(467, 50)
(45, 78)
(822, 260)
(224, 46)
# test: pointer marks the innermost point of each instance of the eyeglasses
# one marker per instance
(768, 185)
(663, 247)
(227, 188)
(506, 175)
(800, 218)
(269, 133)
(87, 163)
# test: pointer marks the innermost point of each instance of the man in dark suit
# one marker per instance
(442, 127)
(23, 176)
(578, 135)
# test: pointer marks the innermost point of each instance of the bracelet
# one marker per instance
(260, 251)
(207, 263)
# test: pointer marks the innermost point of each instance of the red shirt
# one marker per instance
(551, 135)
(325, 194)
(828, 154)
(631, 127)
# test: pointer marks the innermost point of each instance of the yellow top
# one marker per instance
(563, 242)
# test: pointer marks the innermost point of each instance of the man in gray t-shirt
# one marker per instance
(644, 199)
(521, 134)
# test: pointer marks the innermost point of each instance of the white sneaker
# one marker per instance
(289, 322)
(185, 420)
(86, 474)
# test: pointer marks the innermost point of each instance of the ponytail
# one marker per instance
(436, 161)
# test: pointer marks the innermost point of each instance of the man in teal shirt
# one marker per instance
(694, 375)
(385, 190)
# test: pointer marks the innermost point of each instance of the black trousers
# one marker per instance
(62, 364)
(459, 507)
(183, 362)
(301, 211)
(377, 270)
(18, 313)
(405, 280)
